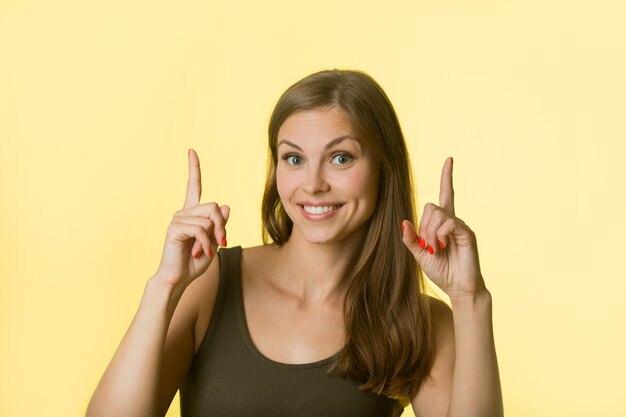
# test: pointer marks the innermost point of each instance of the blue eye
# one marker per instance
(342, 159)
(293, 159)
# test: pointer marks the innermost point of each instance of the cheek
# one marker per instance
(369, 187)
(363, 183)
(285, 183)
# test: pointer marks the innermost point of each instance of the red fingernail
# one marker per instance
(224, 241)
(430, 250)
(197, 255)
(422, 243)
(402, 227)
(210, 253)
(441, 244)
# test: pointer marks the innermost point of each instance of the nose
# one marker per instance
(315, 181)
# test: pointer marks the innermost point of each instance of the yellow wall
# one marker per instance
(100, 100)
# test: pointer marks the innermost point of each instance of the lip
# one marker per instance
(319, 204)
(318, 217)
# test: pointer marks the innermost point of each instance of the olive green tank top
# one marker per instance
(230, 377)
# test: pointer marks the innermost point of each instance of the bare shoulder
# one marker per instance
(258, 256)
(441, 313)
(433, 397)
(258, 262)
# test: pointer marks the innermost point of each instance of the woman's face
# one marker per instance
(326, 179)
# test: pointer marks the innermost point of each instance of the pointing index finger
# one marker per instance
(194, 182)
(446, 190)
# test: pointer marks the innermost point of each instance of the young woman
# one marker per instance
(330, 318)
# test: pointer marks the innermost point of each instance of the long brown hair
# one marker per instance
(387, 316)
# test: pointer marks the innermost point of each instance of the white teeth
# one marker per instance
(319, 209)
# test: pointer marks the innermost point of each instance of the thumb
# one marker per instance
(410, 238)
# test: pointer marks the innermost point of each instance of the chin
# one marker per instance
(320, 237)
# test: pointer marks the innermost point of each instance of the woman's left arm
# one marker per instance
(464, 380)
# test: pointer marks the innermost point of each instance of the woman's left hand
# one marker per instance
(446, 247)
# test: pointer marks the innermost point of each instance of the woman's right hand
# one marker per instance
(193, 235)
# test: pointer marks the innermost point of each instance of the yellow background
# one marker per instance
(100, 100)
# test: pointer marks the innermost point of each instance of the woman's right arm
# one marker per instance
(156, 351)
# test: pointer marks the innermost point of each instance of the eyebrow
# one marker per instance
(328, 145)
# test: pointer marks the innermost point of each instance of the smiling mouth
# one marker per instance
(320, 209)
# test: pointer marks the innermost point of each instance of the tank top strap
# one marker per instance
(230, 264)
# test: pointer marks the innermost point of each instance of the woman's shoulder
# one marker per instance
(258, 257)
(437, 305)
(259, 249)
(442, 328)
(440, 312)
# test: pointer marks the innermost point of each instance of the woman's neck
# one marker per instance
(317, 272)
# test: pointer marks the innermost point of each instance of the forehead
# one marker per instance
(317, 124)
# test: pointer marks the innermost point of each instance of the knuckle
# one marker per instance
(457, 222)
(438, 213)
(451, 221)
(207, 224)
(172, 230)
(194, 182)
